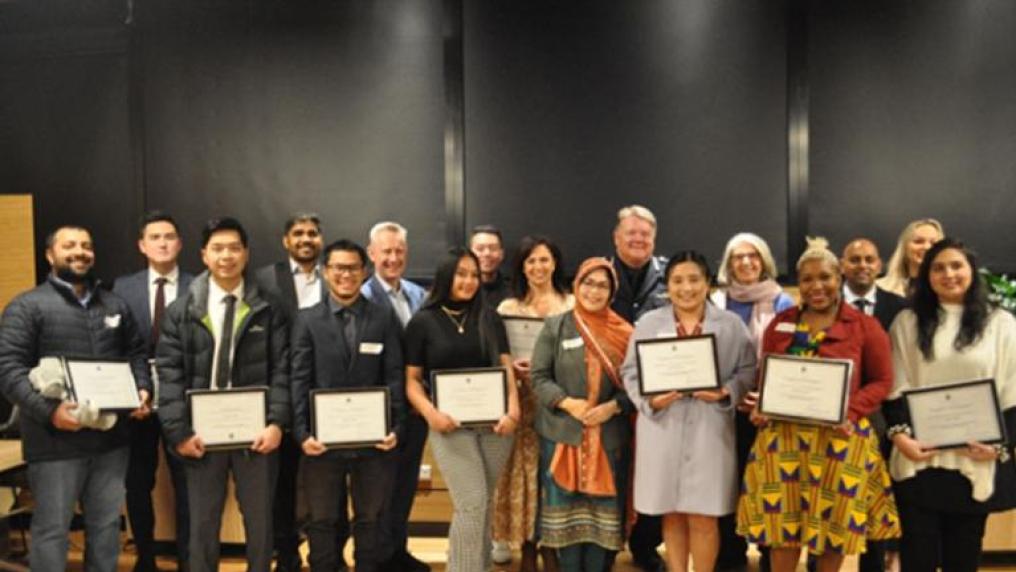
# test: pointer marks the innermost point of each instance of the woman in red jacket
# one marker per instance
(812, 486)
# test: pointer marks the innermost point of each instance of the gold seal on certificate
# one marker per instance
(809, 390)
(471, 396)
(952, 415)
(350, 417)
(107, 385)
(228, 418)
(677, 364)
(522, 334)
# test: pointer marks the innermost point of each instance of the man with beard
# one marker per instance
(387, 250)
(486, 243)
(148, 293)
(292, 285)
(68, 315)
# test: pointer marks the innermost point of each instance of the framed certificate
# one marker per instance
(228, 418)
(350, 417)
(472, 397)
(522, 334)
(809, 390)
(108, 385)
(677, 364)
(949, 416)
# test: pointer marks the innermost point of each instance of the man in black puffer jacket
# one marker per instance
(222, 334)
(69, 316)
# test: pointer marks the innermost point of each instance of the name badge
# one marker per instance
(786, 327)
(572, 343)
(371, 348)
(112, 321)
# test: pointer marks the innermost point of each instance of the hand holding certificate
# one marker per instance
(108, 386)
(808, 390)
(953, 415)
(683, 364)
(228, 418)
(472, 397)
(350, 418)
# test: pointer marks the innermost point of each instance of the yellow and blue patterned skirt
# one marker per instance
(810, 486)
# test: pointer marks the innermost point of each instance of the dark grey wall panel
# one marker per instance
(262, 109)
(574, 109)
(913, 114)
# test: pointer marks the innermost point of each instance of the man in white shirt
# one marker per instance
(148, 293)
(861, 265)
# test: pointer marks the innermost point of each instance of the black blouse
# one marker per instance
(433, 342)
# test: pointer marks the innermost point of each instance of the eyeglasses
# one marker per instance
(344, 268)
(595, 285)
(750, 256)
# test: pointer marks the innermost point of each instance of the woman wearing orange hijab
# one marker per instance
(583, 423)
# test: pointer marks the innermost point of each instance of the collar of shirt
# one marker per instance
(171, 277)
(356, 308)
(84, 300)
(850, 297)
(216, 295)
(388, 288)
(295, 268)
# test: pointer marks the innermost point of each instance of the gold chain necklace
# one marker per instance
(460, 324)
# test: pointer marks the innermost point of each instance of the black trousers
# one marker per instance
(287, 534)
(934, 538)
(141, 470)
(406, 471)
(255, 476)
(369, 482)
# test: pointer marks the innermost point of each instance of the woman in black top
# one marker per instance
(454, 330)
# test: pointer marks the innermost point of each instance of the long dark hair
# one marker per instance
(925, 302)
(478, 313)
(520, 285)
(696, 258)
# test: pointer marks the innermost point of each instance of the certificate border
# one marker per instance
(339, 390)
(936, 388)
(507, 318)
(844, 392)
(190, 393)
(69, 380)
(671, 339)
(478, 423)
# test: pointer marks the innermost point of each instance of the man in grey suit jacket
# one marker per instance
(148, 293)
(291, 285)
(387, 250)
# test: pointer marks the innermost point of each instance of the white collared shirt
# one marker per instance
(217, 314)
(850, 297)
(169, 291)
(308, 286)
(398, 299)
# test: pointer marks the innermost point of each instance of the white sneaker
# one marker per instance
(501, 553)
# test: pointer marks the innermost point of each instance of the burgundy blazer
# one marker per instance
(855, 336)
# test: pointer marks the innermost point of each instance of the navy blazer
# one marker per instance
(276, 282)
(319, 359)
(887, 305)
(134, 289)
(375, 292)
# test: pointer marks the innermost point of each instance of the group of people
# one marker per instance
(580, 464)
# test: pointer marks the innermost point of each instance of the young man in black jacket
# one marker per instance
(347, 342)
(223, 335)
(68, 315)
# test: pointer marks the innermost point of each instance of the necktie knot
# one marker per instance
(161, 281)
(861, 304)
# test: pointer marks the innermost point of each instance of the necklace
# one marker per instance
(460, 324)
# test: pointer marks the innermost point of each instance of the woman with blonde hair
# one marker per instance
(915, 240)
(819, 487)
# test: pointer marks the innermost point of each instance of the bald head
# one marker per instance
(861, 265)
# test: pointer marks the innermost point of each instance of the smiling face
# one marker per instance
(634, 240)
(819, 283)
(345, 273)
(861, 265)
(745, 264)
(160, 243)
(466, 281)
(950, 276)
(304, 242)
(487, 248)
(388, 253)
(71, 256)
(593, 293)
(687, 288)
(924, 237)
(225, 256)
(539, 266)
